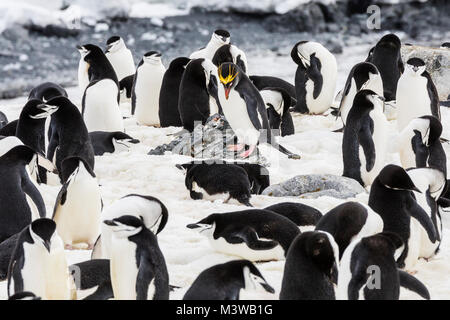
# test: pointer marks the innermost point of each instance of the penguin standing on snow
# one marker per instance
(146, 89)
(364, 141)
(277, 103)
(150, 210)
(420, 144)
(348, 222)
(311, 268)
(388, 60)
(38, 263)
(363, 75)
(209, 181)
(431, 183)
(198, 97)
(315, 79)
(120, 57)
(245, 111)
(219, 38)
(226, 281)
(46, 91)
(111, 142)
(391, 197)
(231, 53)
(15, 186)
(358, 263)
(100, 102)
(78, 205)
(255, 235)
(138, 268)
(416, 94)
(168, 97)
(69, 135)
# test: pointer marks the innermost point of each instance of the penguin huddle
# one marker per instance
(354, 250)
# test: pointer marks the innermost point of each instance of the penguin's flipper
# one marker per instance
(412, 283)
(250, 237)
(254, 106)
(144, 278)
(420, 215)
(314, 74)
(359, 279)
(60, 199)
(434, 97)
(365, 140)
(30, 189)
(420, 150)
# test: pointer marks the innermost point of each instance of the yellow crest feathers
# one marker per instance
(231, 75)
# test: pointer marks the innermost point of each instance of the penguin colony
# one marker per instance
(325, 255)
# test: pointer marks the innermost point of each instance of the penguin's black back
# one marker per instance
(47, 91)
(102, 141)
(299, 213)
(9, 129)
(169, 115)
(99, 66)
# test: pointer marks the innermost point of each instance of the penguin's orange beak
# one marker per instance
(227, 92)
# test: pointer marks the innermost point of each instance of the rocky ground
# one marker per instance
(34, 54)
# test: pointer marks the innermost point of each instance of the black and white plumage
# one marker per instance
(92, 279)
(416, 94)
(263, 82)
(255, 235)
(219, 38)
(169, 115)
(120, 57)
(138, 268)
(277, 103)
(111, 142)
(365, 137)
(226, 282)
(387, 58)
(315, 79)
(46, 91)
(231, 53)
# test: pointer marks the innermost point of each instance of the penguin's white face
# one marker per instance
(414, 70)
(377, 101)
(154, 58)
(122, 145)
(83, 51)
(120, 230)
(116, 46)
(220, 39)
(47, 110)
(255, 282)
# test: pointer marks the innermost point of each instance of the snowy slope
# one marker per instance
(187, 253)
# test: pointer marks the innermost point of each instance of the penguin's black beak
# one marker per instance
(79, 48)
(416, 189)
(47, 245)
(110, 223)
(193, 226)
(267, 287)
(158, 55)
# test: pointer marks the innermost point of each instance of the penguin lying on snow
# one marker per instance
(149, 209)
(416, 94)
(363, 76)
(198, 92)
(38, 263)
(92, 279)
(169, 115)
(255, 235)
(15, 186)
(368, 270)
(78, 205)
(348, 222)
(315, 79)
(211, 181)
(299, 213)
(311, 268)
(146, 89)
(226, 281)
(257, 174)
(111, 142)
(230, 53)
(391, 197)
(219, 38)
(47, 91)
(245, 111)
(387, 58)
(420, 144)
(365, 138)
(138, 268)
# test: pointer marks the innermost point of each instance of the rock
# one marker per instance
(316, 185)
(438, 65)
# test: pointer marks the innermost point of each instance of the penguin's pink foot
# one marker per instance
(247, 153)
(68, 247)
(236, 147)
(413, 272)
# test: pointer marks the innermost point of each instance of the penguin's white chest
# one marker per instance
(78, 219)
(124, 270)
(83, 77)
(235, 111)
(59, 282)
(101, 110)
(147, 90)
(413, 100)
(243, 251)
(407, 155)
(33, 271)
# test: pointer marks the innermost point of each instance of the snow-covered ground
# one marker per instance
(187, 253)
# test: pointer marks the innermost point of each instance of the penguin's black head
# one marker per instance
(222, 35)
(42, 231)
(71, 165)
(435, 129)
(416, 66)
(90, 52)
(390, 41)
(445, 45)
(366, 100)
(253, 278)
(113, 43)
(178, 63)
(396, 178)
(205, 225)
(222, 55)
(364, 68)
(229, 76)
(125, 226)
(152, 57)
